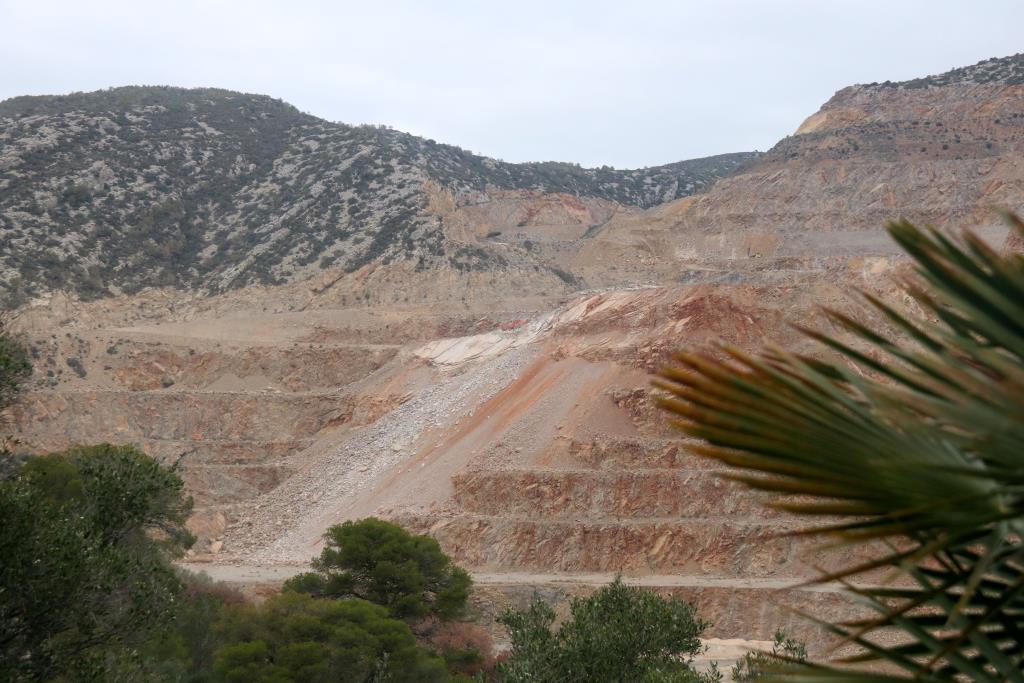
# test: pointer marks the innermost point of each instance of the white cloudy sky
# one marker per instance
(628, 83)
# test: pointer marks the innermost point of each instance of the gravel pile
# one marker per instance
(281, 526)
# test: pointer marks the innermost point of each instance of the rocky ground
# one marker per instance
(287, 525)
(529, 448)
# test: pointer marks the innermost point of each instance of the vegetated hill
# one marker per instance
(208, 189)
(997, 70)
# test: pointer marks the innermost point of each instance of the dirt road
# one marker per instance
(271, 574)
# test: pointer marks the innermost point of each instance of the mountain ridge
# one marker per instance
(208, 189)
(1007, 70)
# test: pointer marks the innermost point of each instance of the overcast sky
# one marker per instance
(628, 83)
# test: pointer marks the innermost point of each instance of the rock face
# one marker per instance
(504, 410)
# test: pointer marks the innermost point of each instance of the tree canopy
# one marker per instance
(295, 637)
(86, 537)
(383, 563)
(619, 633)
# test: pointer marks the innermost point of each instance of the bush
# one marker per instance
(183, 650)
(76, 365)
(754, 665)
(386, 565)
(620, 633)
(15, 367)
(467, 648)
(294, 637)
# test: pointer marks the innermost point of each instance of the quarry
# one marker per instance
(505, 407)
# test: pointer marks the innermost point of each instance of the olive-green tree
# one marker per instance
(86, 539)
(619, 633)
(383, 563)
(913, 438)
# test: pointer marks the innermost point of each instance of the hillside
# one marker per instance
(944, 154)
(516, 426)
(209, 190)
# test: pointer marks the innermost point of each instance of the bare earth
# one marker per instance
(266, 574)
